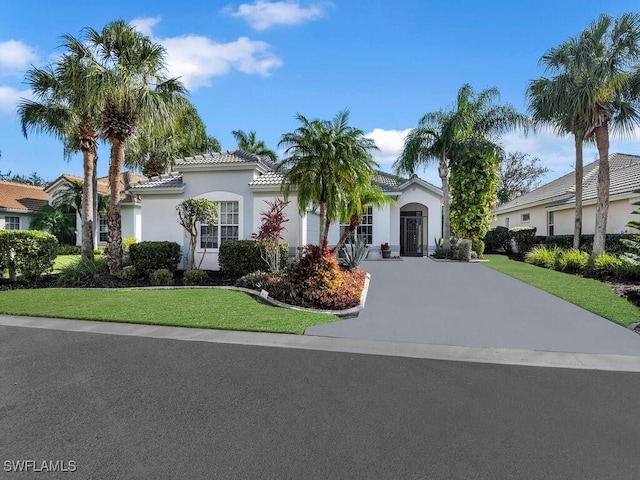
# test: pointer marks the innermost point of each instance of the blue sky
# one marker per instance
(253, 65)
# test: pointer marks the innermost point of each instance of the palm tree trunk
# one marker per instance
(114, 249)
(577, 231)
(88, 160)
(354, 222)
(323, 221)
(602, 206)
(443, 170)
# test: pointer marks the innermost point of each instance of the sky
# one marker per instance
(255, 64)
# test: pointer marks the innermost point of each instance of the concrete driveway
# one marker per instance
(419, 300)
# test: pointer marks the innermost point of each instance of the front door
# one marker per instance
(411, 234)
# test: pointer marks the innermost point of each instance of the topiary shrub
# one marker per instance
(240, 257)
(195, 277)
(28, 253)
(524, 238)
(149, 256)
(477, 246)
(497, 240)
(461, 250)
(162, 276)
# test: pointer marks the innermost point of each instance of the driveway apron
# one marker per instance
(419, 300)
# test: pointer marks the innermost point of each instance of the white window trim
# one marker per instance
(528, 220)
(357, 230)
(199, 248)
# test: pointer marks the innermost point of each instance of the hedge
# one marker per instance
(28, 253)
(240, 257)
(147, 257)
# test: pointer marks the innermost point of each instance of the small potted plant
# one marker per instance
(385, 250)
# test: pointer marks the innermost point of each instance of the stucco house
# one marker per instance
(551, 207)
(240, 183)
(18, 202)
(130, 206)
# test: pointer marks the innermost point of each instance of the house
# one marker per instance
(551, 207)
(18, 202)
(240, 183)
(130, 206)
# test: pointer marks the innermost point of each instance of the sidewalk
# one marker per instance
(418, 300)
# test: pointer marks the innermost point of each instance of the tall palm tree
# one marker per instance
(63, 107)
(327, 162)
(430, 141)
(249, 143)
(153, 150)
(597, 72)
(127, 73)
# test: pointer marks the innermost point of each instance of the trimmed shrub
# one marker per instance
(497, 240)
(524, 238)
(69, 250)
(194, 277)
(162, 276)
(461, 250)
(28, 253)
(79, 272)
(240, 257)
(149, 256)
(477, 246)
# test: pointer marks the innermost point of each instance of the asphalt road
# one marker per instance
(125, 407)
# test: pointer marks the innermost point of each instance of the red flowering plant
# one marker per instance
(270, 232)
(384, 246)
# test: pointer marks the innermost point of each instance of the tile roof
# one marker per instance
(237, 156)
(625, 177)
(269, 178)
(126, 178)
(387, 181)
(19, 196)
(166, 180)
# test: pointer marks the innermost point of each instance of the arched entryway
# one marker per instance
(414, 230)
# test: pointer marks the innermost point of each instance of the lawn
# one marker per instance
(590, 294)
(63, 261)
(201, 308)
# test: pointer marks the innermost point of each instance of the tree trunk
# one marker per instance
(87, 217)
(577, 231)
(443, 170)
(323, 212)
(114, 247)
(602, 206)
(354, 222)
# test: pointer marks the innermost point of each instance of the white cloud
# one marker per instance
(9, 99)
(145, 25)
(15, 57)
(390, 143)
(262, 14)
(196, 59)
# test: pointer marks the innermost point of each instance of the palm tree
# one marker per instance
(430, 141)
(250, 144)
(596, 75)
(327, 162)
(153, 150)
(53, 220)
(62, 107)
(127, 73)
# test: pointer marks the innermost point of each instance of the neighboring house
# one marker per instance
(18, 202)
(240, 183)
(551, 207)
(130, 206)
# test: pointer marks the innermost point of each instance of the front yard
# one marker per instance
(201, 308)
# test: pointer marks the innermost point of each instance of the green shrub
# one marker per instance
(524, 238)
(69, 250)
(79, 272)
(497, 240)
(240, 257)
(354, 253)
(195, 277)
(477, 246)
(150, 256)
(545, 257)
(28, 253)
(603, 265)
(161, 276)
(126, 246)
(129, 273)
(442, 253)
(461, 250)
(573, 260)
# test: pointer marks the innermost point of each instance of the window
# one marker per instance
(225, 228)
(12, 223)
(550, 223)
(364, 231)
(525, 218)
(103, 229)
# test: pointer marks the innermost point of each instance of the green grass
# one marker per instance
(201, 308)
(590, 294)
(63, 261)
